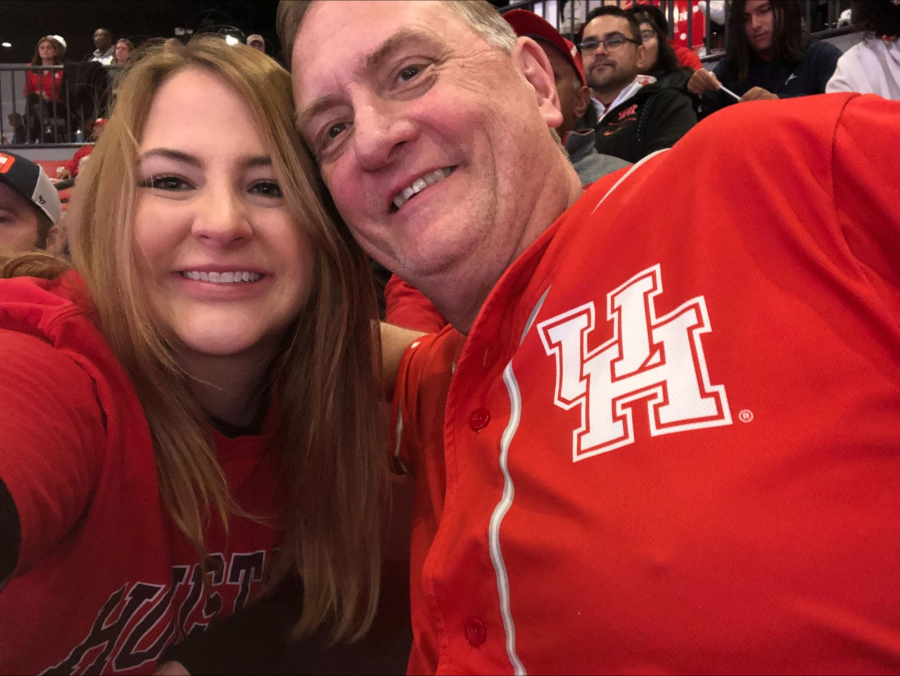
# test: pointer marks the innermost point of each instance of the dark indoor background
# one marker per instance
(23, 22)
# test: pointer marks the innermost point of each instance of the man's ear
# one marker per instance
(582, 101)
(532, 62)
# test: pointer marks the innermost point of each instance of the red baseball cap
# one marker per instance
(530, 25)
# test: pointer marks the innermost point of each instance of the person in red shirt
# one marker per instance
(188, 412)
(71, 169)
(43, 87)
(662, 434)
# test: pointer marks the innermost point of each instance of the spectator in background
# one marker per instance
(635, 119)
(43, 88)
(574, 94)
(61, 46)
(769, 56)
(257, 42)
(659, 60)
(81, 155)
(873, 65)
(123, 50)
(29, 206)
(685, 57)
(105, 47)
(173, 45)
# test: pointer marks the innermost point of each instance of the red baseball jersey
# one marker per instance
(105, 581)
(671, 441)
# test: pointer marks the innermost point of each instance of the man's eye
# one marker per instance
(267, 189)
(335, 129)
(614, 42)
(409, 73)
(165, 183)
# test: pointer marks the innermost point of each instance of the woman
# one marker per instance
(770, 55)
(43, 87)
(124, 47)
(659, 59)
(197, 393)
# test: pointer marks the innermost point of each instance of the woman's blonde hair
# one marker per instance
(330, 460)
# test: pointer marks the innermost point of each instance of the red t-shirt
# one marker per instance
(45, 83)
(75, 163)
(105, 580)
(671, 440)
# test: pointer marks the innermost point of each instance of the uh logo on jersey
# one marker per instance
(658, 360)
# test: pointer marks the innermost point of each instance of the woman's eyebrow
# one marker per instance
(171, 154)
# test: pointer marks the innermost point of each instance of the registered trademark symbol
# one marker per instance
(745, 416)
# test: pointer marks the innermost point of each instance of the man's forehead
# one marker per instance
(10, 199)
(606, 24)
(359, 30)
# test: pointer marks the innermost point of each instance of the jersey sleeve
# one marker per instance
(420, 398)
(866, 184)
(409, 308)
(51, 440)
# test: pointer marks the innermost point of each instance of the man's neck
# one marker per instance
(460, 293)
(608, 96)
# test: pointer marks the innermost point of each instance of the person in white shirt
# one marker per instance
(873, 65)
(106, 47)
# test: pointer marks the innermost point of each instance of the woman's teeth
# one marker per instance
(222, 277)
(420, 184)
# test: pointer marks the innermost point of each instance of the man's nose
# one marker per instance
(381, 129)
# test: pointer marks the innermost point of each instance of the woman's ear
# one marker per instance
(529, 58)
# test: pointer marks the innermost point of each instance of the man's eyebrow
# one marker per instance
(395, 42)
(171, 154)
(373, 62)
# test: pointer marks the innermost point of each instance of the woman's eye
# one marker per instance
(267, 189)
(165, 183)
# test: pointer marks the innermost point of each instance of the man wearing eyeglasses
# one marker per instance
(637, 115)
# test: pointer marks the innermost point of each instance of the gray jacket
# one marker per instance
(589, 164)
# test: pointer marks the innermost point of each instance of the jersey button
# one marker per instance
(479, 419)
(476, 634)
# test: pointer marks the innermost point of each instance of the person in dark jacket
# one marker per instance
(637, 116)
(769, 56)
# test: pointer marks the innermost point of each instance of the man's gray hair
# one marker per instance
(479, 15)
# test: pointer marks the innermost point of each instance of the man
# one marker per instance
(406, 306)
(72, 167)
(662, 434)
(105, 47)
(257, 42)
(574, 95)
(769, 56)
(29, 206)
(636, 119)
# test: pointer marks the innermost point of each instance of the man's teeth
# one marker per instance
(222, 277)
(419, 185)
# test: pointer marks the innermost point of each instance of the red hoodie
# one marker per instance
(105, 581)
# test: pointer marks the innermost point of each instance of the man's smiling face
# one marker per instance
(424, 132)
